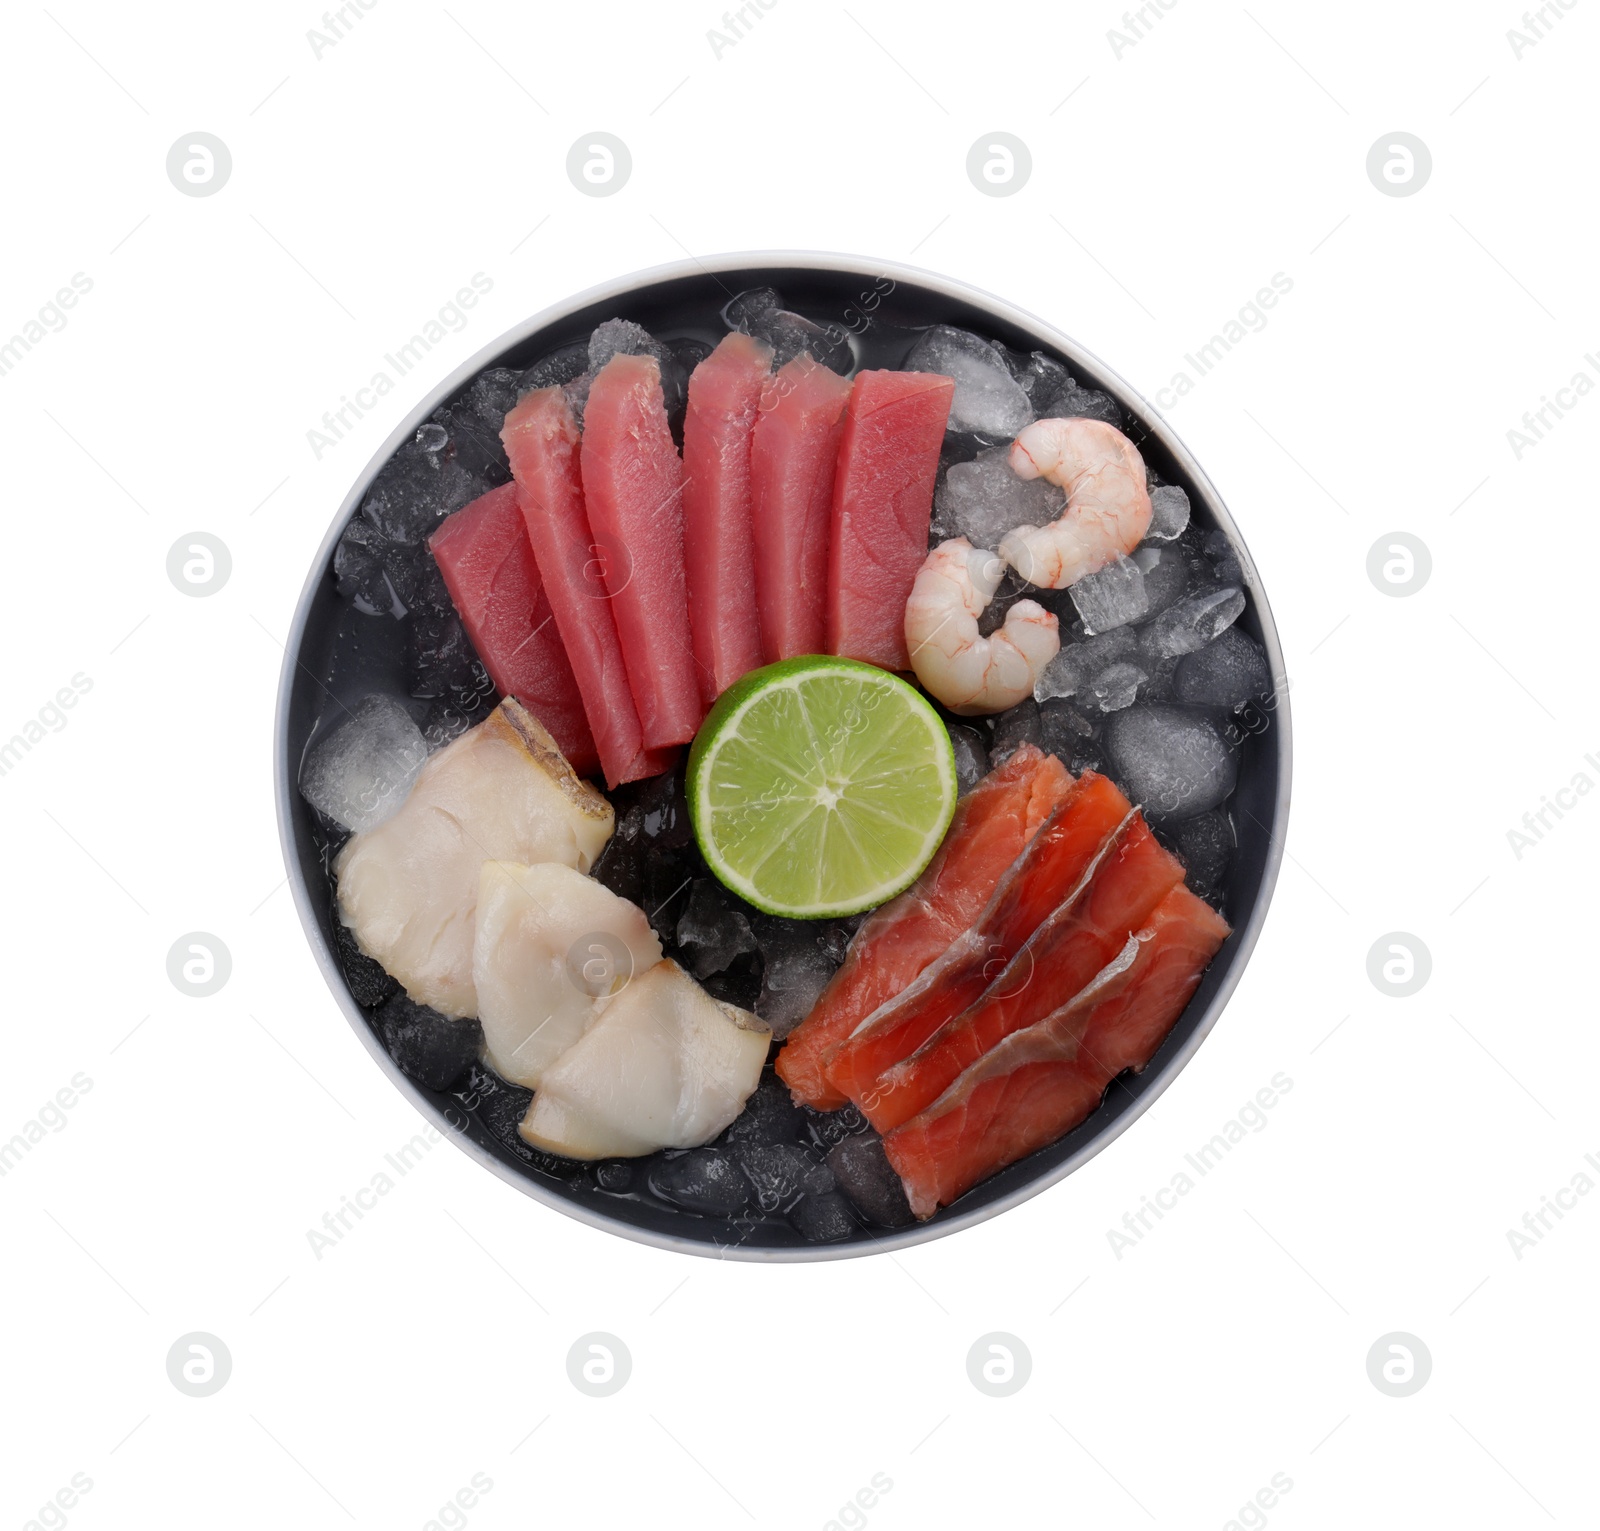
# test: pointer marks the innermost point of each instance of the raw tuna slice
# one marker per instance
(1133, 875)
(882, 504)
(541, 440)
(1041, 1082)
(1058, 863)
(633, 488)
(488, 566)
(992, 825)
(791, 472)
(720, 566)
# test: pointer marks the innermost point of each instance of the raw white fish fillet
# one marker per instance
(552, 948)
(664, 1066)
(408, 889)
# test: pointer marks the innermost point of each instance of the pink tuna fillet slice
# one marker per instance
(724, 403)
(487, 562)
(882, 504)
(541, 440)
(633, 487)
(791, 469)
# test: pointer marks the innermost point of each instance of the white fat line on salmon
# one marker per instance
(49, 320)
(1537, 25)
(336, 26)
(1537, 1223)
(337, 1223)
(1137, 24)
(1538, 423)
(450, 318)
(1561, 802)
(1251, 1118)
(737, 25)
(1249, 320)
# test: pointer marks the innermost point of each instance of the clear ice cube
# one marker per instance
(987, 397)
(359, 774)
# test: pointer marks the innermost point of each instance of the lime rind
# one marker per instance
(876, 764)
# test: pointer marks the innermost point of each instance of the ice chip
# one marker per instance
(796, 971)
(1225, 566)
(1078, 663)
(1205, 844)
(1171, 761)
(702, 1180)
(983, 499)
(1169, 513)
(560, 367)
(1193, 622)
(1042, 379)
(781, 1173)
(824, 1219)
(1013, 728)
(433, 1049)
(972, 759)
(987, 397)
(1228, 672)
(622, 337)
(361, 772)
(866, 1177)
(1117, 686)
(710, 933)
(1167, 577)
(1076, 401)
(769, 1116)
(1111, 597)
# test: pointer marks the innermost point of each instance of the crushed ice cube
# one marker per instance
(1117, 686)
(780, 1173)
(702, 1180)
(1013, 728)
(769, 1116)
(1065, 729)
(987, 397)
(759, 311)
(796, 971)
(1078, 663)
(1169, 513)
(1042, 378)
(710, 933)
(865, 1175)
(1167, 577)
(1225, 565)
(420, 485)
(1228, 672)
(1193, 622)
(1205, 843)
(560, 367)
(1110, 597)
(983, 499)
(824, 1219)
(972, 759)
(361, 772)
(622, 337)
(1171, 761)
(1074, 400)
(435, 1050)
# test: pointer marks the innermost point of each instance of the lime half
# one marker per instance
(820, 786)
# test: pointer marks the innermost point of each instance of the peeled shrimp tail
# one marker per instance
(1108, 506)
(969, 673)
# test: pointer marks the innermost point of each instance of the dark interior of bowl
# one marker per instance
(343, 656)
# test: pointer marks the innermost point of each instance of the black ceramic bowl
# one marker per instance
(336, 656)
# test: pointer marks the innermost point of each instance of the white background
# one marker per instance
(1230, 1344)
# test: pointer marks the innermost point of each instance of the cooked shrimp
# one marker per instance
(1108, 507)
(968, 673)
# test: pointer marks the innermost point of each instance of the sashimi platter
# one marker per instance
(783, 759)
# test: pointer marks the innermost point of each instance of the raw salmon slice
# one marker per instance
(992, 825)
(541, 440)
(882, 505)
(1057, 863)
(719, 564)
(1132, 875)
(488, 566)
(1039, 1083)
(792, 460)
(633, 488)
